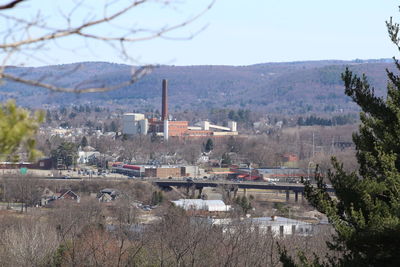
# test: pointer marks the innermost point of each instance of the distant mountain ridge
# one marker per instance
(288, 87)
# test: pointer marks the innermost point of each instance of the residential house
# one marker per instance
(68, 194)
(107, 195)
(48, 196)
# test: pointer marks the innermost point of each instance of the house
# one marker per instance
(204, 158)
(49, 196)
(68, 194)
(107, 195)
(87, 156)
(104, 197)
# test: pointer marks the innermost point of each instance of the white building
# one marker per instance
(278, 226)
(134, 124)
(206, 126)
(84, 156)
(281, 226)
(200, 204)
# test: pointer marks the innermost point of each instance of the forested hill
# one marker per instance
(294, 87)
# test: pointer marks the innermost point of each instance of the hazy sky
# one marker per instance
(244, 32)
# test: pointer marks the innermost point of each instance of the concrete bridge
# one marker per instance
(234, 186)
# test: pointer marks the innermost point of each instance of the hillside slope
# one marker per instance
(292, 88)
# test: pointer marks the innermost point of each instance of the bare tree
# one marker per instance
(132, 149)
(69, 218)
(29, 242)
(191, 152)
(23, 189)
(27, 36)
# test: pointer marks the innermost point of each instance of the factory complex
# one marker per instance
(138, 124)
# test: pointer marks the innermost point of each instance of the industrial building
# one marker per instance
(200, 204)
(157, 171)
(278, 226)
(163, 172)
(134, 124)
(137, 124)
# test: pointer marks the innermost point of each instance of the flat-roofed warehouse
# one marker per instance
(200, 204)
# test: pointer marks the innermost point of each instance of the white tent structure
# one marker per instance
(200, 204)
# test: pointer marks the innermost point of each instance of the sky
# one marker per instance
(236, 32)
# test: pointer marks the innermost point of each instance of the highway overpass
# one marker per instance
(230, 185)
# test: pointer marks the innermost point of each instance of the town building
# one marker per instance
(277, 226)
(137, 124)
(134, 124)
(157, 171)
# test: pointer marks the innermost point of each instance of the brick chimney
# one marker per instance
(164, 109)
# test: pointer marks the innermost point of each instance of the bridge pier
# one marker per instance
(235, 192)
(296, 196)
(193, 192)
(287, 195)
(228, 194)
(245, 192)
(302, 196)
(200, 192)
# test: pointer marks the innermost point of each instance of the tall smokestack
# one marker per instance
(164, 114)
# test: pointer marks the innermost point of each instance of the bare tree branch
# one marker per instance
(21, 38)
(10, 5)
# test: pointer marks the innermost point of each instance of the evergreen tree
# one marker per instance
(72, 115)
(209, 145)
(366, 210)
(17, 131)
(48, 116)
(113, 127)
(160, 197)
(55, 115)
(63, 111)
(66, 153)
(232, 115)
(244, 203)
(226, 159)
(157, 198)
(84, 142)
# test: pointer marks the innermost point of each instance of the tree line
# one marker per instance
(334, 121)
